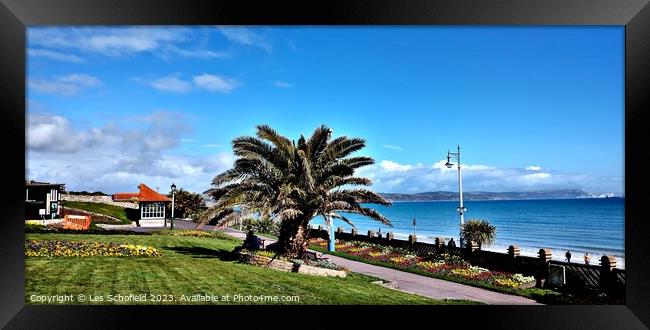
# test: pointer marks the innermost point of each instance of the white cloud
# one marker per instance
(282, 84)
(534, 168)
(388, 146)
(393, 166)
(116, 157)
(246, 37)
(122, 41)
(171, 84)
(63, 85)
(54, 55)
(175, 84)
(80, 79)
(56, 133)
(537, 177)
(196, 53)
(214, 83)
(52, 87)
(390, 176)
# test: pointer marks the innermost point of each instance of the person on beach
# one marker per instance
(587, 258)
(451, 243)
(568, 256)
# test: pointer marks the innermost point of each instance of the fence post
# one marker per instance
(472, 246)
(440, 243)
(353, 232)
(607, 276)
(413, 238)
(514, 251)
(338, 232)
(389, 236)
(543, 269)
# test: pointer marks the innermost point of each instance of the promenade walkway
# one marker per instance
(404, 281)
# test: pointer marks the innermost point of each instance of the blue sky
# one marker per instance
(531, 107)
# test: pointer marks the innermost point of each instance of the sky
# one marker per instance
(533, 108)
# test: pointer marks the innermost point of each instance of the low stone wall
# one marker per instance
(288, 266)
(98, 199)
(152, 223)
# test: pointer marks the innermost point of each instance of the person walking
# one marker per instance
(587, 258)
(568, 256)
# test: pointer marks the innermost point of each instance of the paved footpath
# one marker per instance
(404, 281)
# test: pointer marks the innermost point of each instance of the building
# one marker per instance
(42, 200)
(151, 204)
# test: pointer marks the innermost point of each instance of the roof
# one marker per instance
(125, 196)
(32, 183)
(146, 194)
(149, 195)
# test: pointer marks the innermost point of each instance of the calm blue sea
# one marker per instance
(593, 225)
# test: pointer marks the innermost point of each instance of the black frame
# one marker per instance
(15, 15)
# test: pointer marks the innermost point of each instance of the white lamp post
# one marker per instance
(173, 200)
(460, 209)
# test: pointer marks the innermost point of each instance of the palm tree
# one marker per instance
(479, 231)
(294, 183)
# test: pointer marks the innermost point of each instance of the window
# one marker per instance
(152, 210)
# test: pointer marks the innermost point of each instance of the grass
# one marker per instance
(190, 266)
(125, 215)
(541, 295)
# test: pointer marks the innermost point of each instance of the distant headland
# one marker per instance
(484, 195)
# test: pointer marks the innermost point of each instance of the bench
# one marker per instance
(76, 222)
(254, 242)
(315, 256)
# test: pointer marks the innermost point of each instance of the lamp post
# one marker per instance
(173, 200)
(331, 246)
(460, 209)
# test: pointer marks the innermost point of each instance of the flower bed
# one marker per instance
(443, 265)
(86, 249)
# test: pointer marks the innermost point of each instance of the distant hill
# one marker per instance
(484, 195)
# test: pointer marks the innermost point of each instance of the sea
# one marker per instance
(586, 225)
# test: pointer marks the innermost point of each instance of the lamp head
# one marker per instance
(173, 188)
(448, 164)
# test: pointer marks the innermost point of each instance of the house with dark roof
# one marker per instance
(42, 200)
(152, 205)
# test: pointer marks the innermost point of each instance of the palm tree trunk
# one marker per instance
(293, 237)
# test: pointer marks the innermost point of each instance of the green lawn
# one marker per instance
(124, 214)
(191, 266)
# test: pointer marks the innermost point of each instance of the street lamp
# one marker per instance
(173, 200)
(460, 209)
(331, 244)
